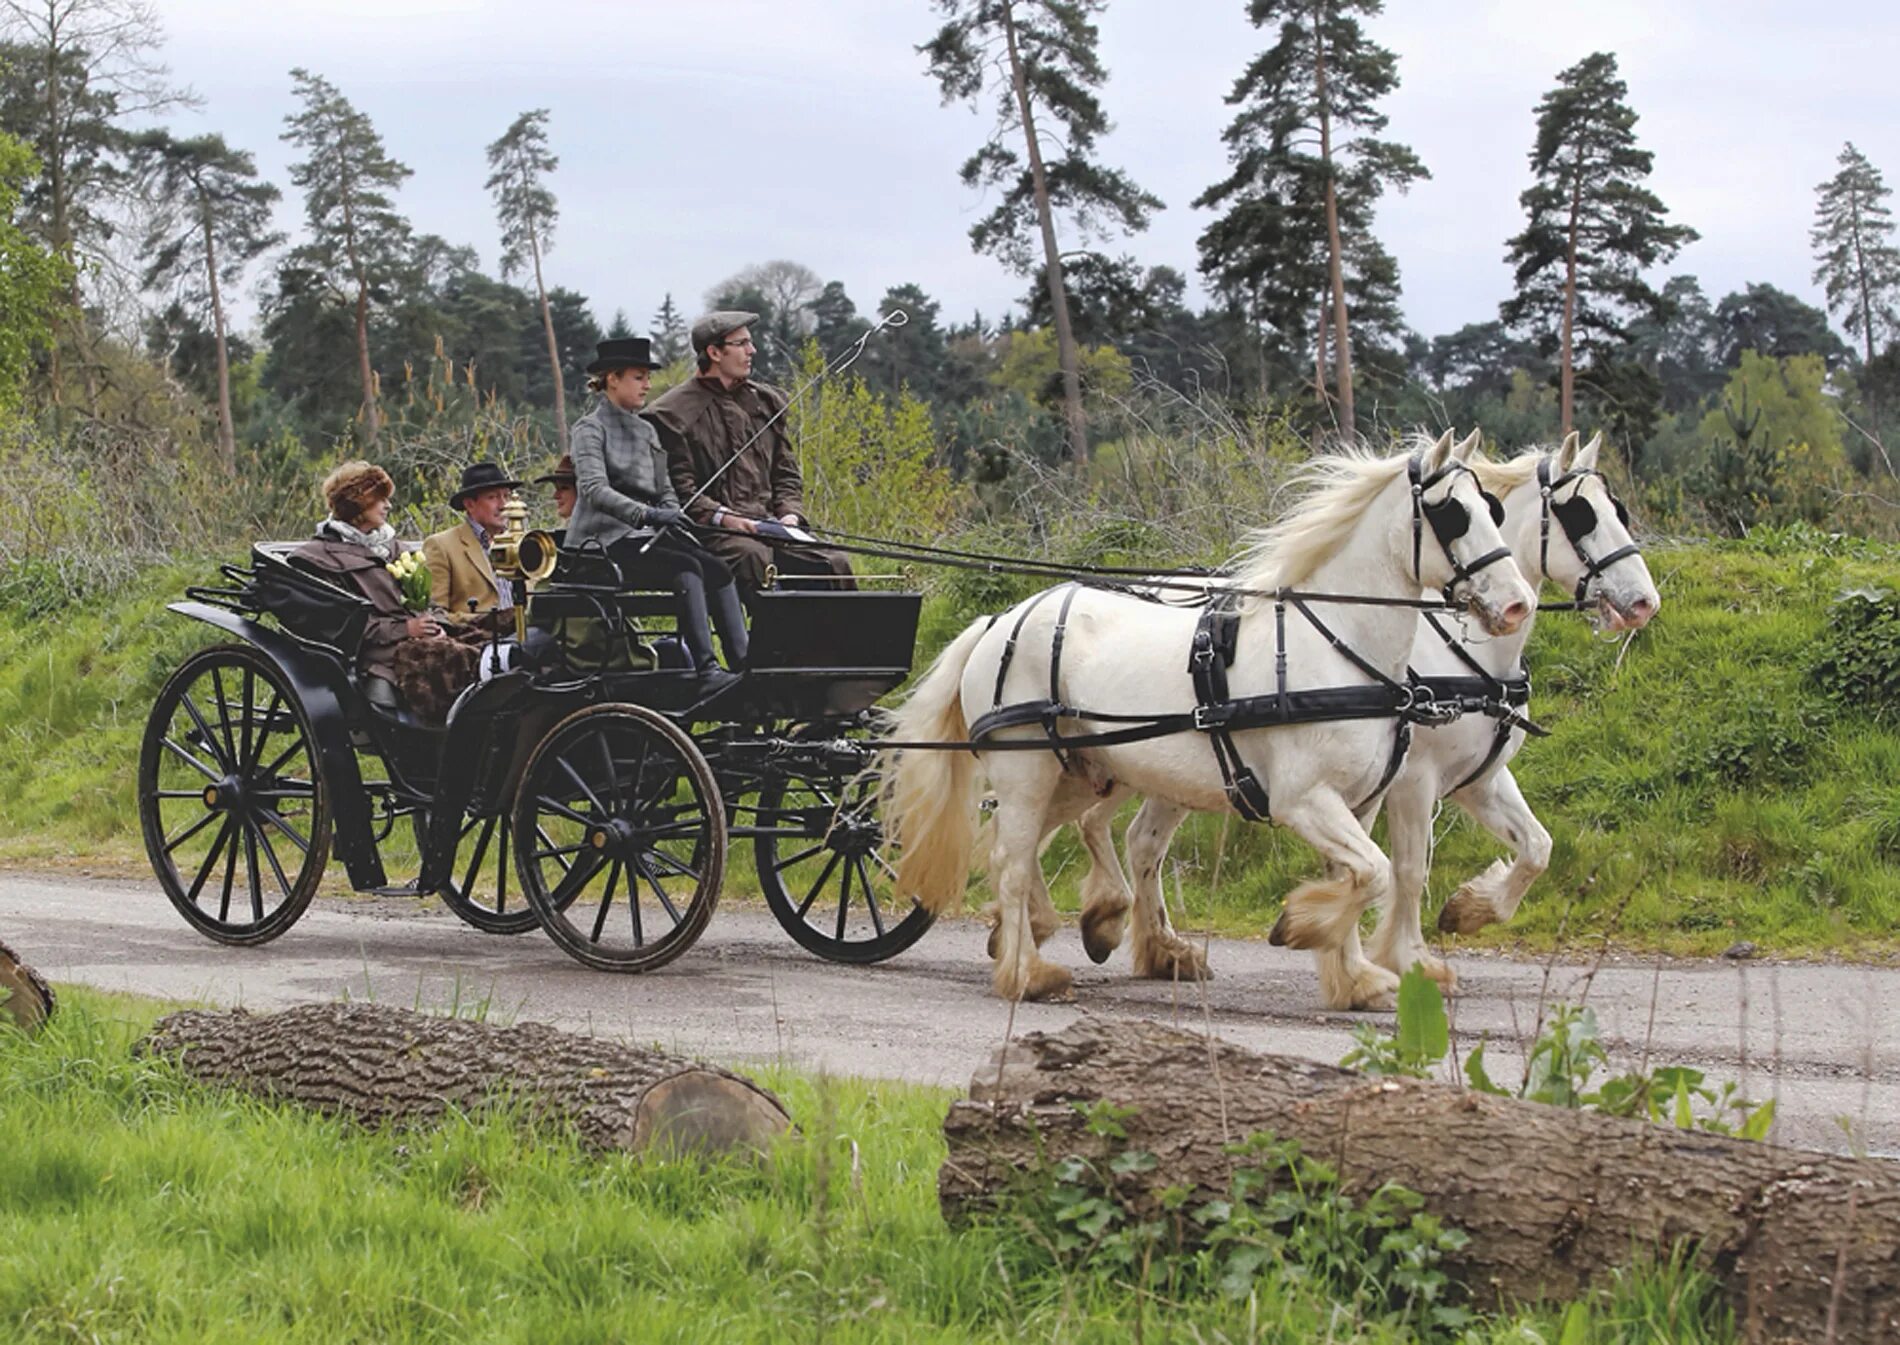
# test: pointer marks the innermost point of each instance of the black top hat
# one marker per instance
(627, 352)
(479, 476)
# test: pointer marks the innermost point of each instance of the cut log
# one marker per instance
(1553, 1200)
(384, 1065)
(26, 1000)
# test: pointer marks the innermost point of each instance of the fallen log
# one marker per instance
(383, 1065)
(26, 1000)
(1553, 1200)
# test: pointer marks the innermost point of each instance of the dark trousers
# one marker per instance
(700, 581)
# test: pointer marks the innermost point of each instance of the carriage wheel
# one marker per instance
(620, 838)
(229, 791)
(828, 872)
(478, 885)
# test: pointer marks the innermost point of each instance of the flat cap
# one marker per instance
(709, 329)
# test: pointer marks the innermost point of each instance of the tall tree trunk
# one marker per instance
(1052, 257)
(371, 421)
(1866, 319)
(1319, 357)
(227, 433)
(1567, 375)
(62, 245)
(1342, 343)
(554, 352)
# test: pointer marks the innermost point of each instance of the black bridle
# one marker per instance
(1578, 518)
(1449, 520)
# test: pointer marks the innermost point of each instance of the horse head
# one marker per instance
(1470, 564)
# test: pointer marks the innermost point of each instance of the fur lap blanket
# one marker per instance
(431, 673)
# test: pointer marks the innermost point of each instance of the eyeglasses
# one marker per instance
(747, 344)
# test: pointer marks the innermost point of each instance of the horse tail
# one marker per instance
(930, 803)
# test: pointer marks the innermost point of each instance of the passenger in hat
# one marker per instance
(628, 507)
(463, 588)
(403, 657)
(563, 481)
(724, 417)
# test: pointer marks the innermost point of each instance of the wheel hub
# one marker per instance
(226, 795)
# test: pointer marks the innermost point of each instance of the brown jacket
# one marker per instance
(703, 423)
(459, 571)
(355, 567)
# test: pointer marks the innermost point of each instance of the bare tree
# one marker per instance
(78, 68)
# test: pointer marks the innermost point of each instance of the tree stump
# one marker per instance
(1552, 1199)
(383, 1065)
(26, 1000)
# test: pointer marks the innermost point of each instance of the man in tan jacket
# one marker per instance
(462, 585)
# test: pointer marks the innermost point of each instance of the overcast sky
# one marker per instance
(699, 137)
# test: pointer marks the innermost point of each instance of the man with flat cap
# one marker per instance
(722, 427)
(463, 589)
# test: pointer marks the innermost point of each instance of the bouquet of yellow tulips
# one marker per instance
(412, 577)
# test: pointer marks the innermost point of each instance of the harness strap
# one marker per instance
(1216, 639)
(1055, 673)
(1009, 645)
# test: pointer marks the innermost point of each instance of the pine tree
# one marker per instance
(519, 162)
(358, 241)
(1594, 228)
(212, 218)
(1297, 235)
(1039, 59)
(619, 329)
(1856, 262)
(32, 277)
(670, 337)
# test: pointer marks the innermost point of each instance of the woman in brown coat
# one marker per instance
(401, 650)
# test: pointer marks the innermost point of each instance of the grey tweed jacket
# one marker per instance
(620, 473)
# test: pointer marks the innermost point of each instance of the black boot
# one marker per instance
(728, 617)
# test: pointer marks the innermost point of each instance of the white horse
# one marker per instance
(1362, 529)
(1562, 524)
(1467, 760)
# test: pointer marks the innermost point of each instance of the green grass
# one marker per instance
(135, 1206)
(1699, 786)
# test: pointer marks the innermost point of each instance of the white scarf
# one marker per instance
(382, 541)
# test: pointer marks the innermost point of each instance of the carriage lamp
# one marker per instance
(504, 555)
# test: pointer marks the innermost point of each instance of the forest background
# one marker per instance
(177, 371)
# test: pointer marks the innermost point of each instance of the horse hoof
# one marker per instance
(1050, 984)
(1175, 964)
(996, 937)
(1277, 935)
(1102, 933)
(1465, 914)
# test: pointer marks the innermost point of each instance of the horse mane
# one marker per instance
(1332, 492)
(1501, 478)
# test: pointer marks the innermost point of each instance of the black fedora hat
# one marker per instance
(625, 352)
(479, 476)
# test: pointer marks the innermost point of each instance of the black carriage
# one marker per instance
(594, 794)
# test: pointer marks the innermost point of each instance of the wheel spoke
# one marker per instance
(844, 900)
(270, 771)
(475, 864)
(276, 819)
(287, 789)
(613, 776)
(818, 886)
(270, 853)
(870, 897)
(577, 877)
(884, 864)
(204, 729)
(658, 891)
(230, 877)
(204, 871)
(673, 864)
(224, 717)
(560, 809)
(798, 858)
(191, 831)
(244, 728)
(606, 901)
(501, 874)
(557, 853)
(256, 877)
(264, 730)
(600, 809)
(193, 762)
(197, 794)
